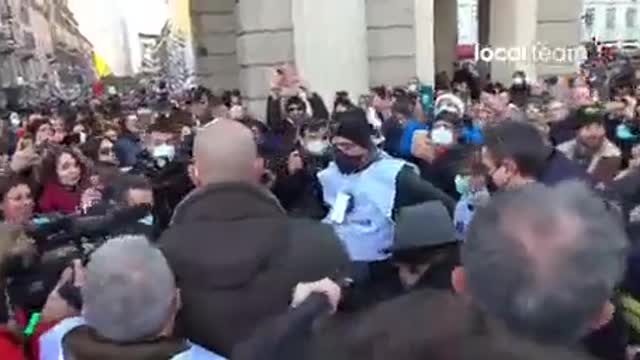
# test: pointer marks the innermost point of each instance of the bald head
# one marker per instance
(225, 151)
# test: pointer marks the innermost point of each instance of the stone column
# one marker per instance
(536, 25)
(484, 26)
(330, 42)
(560, 27)
(445, 13)
(425, 47)
(392, 36)
(513, 25)
(214, 29)
(264, 40)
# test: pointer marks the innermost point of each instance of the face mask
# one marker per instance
(316, 147)
(462, 184)
(164, 151)
(442, 136)
(347, 164)
(480, 198)
(15, 120)
(147, 220)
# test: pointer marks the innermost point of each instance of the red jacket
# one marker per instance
(56, 198)
(10, 347)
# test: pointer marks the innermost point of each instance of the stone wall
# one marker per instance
(264, 40)
(558, 25)
(392, 41)
(214, 27)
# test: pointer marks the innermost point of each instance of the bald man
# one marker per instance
(235, 253)
(225, 151)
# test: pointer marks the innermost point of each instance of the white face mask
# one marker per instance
(442, 136)
(316, 147)
(147, 220)
(15, 120)
(164, 151)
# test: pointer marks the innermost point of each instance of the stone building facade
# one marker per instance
(352, 45)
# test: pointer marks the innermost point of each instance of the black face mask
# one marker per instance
(491, 185)
(347, 164)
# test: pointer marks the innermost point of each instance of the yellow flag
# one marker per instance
(102, 68)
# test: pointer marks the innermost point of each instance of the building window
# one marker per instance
(24, 14)
(590, 17)
(611, 18)
(632, 17)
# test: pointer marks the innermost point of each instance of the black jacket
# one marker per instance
(301, 193)
(442, 172)
(411, 190)
(283, 129)
(237, 257)
(83, 343)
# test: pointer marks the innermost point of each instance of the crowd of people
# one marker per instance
(484, 220)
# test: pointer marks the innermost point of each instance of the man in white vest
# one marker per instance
(130, 301)
(363, 188)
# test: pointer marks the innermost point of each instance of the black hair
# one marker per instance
(295, 100)
(313, 125)
(10, 181)
(91, 148)
(426, 254)
(123, 184)
(520, 141)
(399, 92)
(403, 106)
(342, 99)
(380, 91)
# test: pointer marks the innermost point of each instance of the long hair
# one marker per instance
(48, 170)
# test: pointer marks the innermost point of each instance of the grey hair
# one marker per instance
(545, 260)
(130, 291)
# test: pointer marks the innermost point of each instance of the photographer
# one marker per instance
(12, 244)
(129, 305)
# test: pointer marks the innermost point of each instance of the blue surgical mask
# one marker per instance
(463, 185)
(147, 220)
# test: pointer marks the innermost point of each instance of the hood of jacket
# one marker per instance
(229, 231)
(83, 343)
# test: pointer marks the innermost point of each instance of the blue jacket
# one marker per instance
(127, 149)
(560, 168)
(470, 135)
(406, 141)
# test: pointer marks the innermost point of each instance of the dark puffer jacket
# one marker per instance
(237, 257)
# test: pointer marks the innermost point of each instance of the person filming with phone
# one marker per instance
(439, 152)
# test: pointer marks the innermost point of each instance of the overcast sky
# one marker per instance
(96, 17)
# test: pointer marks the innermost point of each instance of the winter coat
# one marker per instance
(237, 257)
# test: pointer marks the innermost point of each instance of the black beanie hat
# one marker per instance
(353, 125)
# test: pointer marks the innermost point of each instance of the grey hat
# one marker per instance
(424, 225)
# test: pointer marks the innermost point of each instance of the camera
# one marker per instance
(58, 241)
